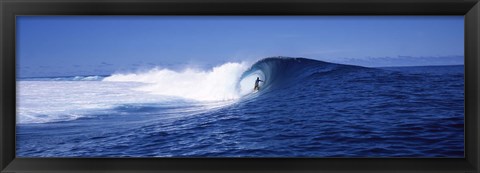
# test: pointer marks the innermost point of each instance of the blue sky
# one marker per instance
(74, 45)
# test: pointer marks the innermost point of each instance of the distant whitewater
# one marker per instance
(305, 108)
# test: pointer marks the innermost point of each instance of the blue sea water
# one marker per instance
(305, 108)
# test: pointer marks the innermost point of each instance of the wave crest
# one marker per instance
(278, 71)
(228, 81)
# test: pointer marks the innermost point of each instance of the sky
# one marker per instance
(93, 45)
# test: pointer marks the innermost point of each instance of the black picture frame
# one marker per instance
(9, 9)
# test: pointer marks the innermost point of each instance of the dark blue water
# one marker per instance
(306, 108)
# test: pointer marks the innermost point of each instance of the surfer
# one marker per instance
(256, 88)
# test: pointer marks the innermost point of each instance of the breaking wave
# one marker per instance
(229, 81)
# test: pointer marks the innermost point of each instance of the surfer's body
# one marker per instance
(257, 87)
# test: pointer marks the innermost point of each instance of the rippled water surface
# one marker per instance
(319, 110)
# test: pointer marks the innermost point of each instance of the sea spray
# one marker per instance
(217, 84)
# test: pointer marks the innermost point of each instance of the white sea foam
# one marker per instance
(86, 78)
(51, 101)
(217, 84)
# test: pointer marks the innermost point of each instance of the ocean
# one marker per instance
(304, 108)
